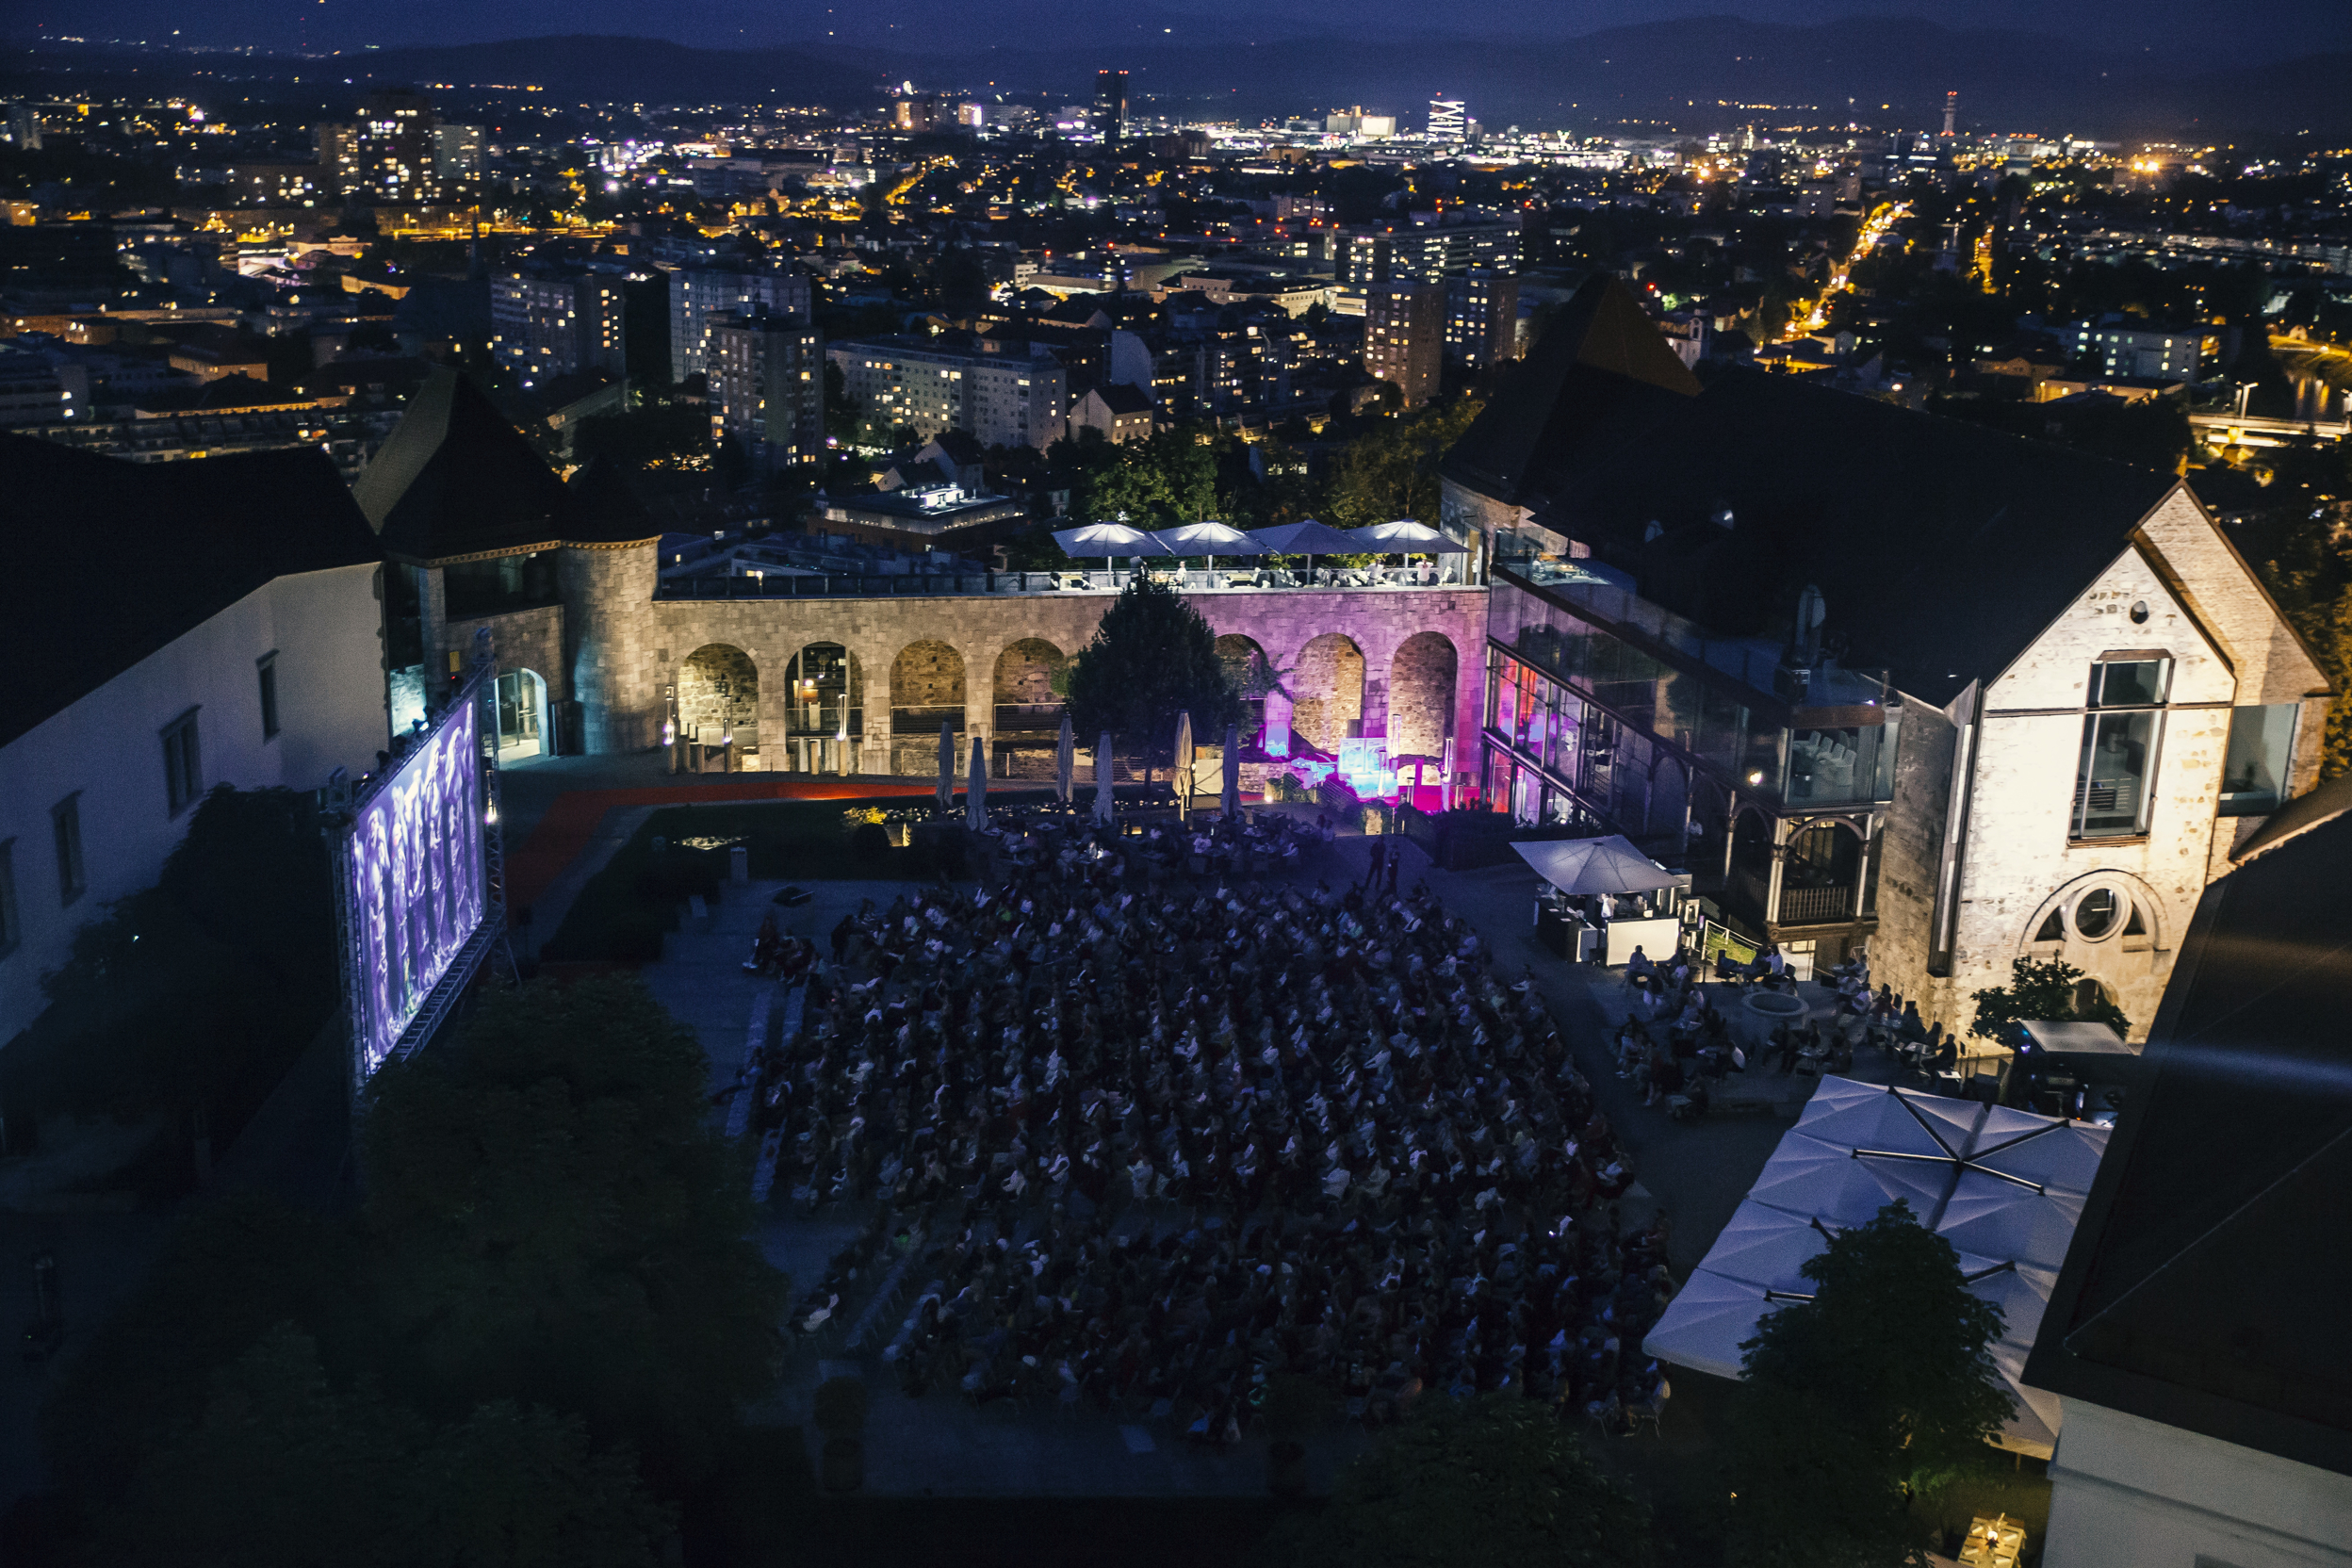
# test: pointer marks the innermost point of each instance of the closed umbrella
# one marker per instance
(976, 793)
(1406, 537)
(947, 764)
(1065, 760)
(1102, 781)
(1233, 771)
(1183, 763)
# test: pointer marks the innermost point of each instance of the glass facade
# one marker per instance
(1619, 724)
(2262, 746)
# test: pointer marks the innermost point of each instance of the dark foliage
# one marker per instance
(1495, 1480)
(1153, 658)
(1879, 1389)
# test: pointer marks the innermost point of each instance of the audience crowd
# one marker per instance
(1150, 1141)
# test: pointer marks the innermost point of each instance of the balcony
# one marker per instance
(1815, 906)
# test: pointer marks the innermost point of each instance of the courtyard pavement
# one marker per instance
(1695, 1173)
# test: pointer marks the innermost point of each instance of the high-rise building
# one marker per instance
(1952, 110)
(1373, 253)
(1404, 337)
(397, 150)
(767, 384)
(548, 322)
(1481, 318)
(699, 296)
(1110, 104)
(1449, 120)
(1001, 399)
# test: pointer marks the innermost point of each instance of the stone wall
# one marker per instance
(1025, 672)
(619, 671)
(979, 628)
(520, 640)
(927, 674)
(1420, 695)
(1327, 691)
(1910, 851)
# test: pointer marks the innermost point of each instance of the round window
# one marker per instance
(2096, 913)
(2139, 612)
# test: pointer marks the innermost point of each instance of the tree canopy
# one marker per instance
(549, 1310)
(2040, 990)
(1495, 1480)
(1880, 1388)
(1153, 658)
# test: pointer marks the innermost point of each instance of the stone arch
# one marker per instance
(927, 678)
(1026, 673)
(1245, 663)
(1421, 695)
(525, 721)
(1327, 687)
(718, 697)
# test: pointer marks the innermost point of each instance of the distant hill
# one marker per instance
(1701, 74)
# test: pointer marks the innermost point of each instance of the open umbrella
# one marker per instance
(1107, 539)
(1183, 763)
(947, 764)
(1102, 781)
(1233, 771)
(1309, 538)
(1406, 537)
(1207, 538)
(1609, 865)
(1065, 761)
(976, 795)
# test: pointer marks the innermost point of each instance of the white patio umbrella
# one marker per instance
(1309, 538)
(947, 764)
(1183, 763)
(1207, 538)
(1102, 781)
(1406, 537)
(976, 793)
(2004, 1188)
(1232, 802)
(1610, 865)
(1065, 761)
(1107, 540)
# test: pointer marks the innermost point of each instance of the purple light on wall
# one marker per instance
(414, 858)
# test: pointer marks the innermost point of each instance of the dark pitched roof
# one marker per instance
(104, 561)
(961, 446)
(2297, 817)
(604, 510)
(1123, 397)
(456, 480)
(2208, 1285)
(1890, 512)
(1600, 369)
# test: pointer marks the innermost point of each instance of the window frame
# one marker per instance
(65, 835)
(266, 679)
(2099, 713)
(183, 761)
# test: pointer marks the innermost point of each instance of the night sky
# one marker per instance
(2182, 33)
